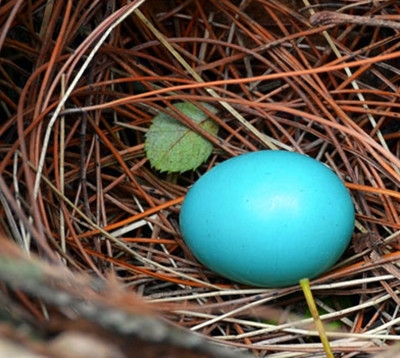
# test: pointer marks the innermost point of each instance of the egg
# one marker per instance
(268, 218)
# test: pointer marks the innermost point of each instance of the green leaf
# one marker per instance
(172, 147)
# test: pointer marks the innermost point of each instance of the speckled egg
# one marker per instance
(268, 218)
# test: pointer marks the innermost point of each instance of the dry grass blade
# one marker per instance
(262, 137)
(81, 81)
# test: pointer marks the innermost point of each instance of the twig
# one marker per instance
(96, 302)
(332, 18)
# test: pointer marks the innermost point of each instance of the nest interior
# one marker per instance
(80, 83)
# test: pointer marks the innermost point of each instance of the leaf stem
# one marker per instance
(305, 286)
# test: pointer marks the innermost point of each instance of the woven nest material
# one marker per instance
(81, 81)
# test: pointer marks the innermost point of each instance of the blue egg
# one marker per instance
(268, 218)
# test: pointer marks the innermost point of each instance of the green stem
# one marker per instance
(305, 286)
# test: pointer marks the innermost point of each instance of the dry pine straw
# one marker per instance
(81, 82)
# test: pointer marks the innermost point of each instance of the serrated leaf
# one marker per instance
(172, 147)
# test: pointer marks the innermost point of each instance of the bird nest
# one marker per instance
(82, 81)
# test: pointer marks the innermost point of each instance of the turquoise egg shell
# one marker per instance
(268, 218)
